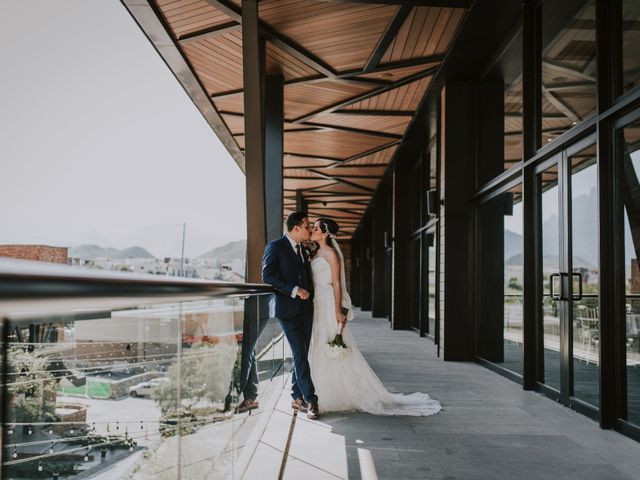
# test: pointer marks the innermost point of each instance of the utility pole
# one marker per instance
(184, 229)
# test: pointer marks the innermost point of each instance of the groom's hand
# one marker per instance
(303, 294)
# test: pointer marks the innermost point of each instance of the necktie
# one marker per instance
(300, 257)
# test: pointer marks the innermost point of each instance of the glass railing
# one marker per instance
(121, 376)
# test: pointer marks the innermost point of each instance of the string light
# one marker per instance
(40, 467)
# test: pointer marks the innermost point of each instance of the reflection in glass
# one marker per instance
(501, 93)
(499, 331)
(630, 44)
(139, 393)
(431, 308)
(512, 78)
(631, 195)
(414, 288)
(584, 243)
(568, 65)
(548, 181)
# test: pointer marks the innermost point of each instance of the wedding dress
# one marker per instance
(348, 383)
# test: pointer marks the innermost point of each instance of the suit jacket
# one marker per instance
(282, 268)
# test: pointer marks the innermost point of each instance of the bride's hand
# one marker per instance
(341, 318)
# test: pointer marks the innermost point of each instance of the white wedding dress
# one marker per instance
(348, 383)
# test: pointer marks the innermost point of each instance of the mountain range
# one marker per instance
(92, 252)
(229, 251)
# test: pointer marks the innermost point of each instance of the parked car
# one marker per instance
(143, 389)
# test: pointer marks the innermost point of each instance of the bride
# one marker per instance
(346, 381)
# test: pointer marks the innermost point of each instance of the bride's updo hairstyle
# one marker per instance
(326, 226)
(329, 226)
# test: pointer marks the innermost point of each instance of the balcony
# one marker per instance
(135, 377)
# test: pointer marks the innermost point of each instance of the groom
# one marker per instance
(285, 265)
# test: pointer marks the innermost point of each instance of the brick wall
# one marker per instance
(40, 253)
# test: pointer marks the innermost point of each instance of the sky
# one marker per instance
(99, 143)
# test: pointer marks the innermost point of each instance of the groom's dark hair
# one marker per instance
(295, 220)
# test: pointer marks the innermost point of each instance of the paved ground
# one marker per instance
(489, 428)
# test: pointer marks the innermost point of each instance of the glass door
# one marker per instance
(568, 317)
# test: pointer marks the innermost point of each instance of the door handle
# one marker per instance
(551, 293)
(579, 295)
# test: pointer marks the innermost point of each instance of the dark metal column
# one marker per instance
(253, 79)
(379, 259)
(459, 130)
(531, 78)
(273, 171)
(611, 226)
(400, 319)
(367, 263)
(301, 204)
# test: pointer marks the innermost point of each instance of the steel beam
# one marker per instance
(276, 38)
(210, 32)
(388, 37)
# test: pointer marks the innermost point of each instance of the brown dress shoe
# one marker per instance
(300, 405)
(314, 412)
(247, 405)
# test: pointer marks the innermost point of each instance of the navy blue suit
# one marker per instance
(282, 268)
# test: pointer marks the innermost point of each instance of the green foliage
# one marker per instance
(30, 386)
(514, 284)
(204, 374)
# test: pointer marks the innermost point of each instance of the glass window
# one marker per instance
(512, 77)
(506, 97)
(631, 195)
(630, 44)
(586, 276)
(568, 65)
(499, 296)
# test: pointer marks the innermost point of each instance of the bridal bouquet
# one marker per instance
(336, 348)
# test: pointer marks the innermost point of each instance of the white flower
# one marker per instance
(335, 352)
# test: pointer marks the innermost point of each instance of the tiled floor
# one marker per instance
(489, 428)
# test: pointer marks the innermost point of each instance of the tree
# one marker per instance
(204, 374)
(30, 386)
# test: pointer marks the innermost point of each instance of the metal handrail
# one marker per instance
(21, 279)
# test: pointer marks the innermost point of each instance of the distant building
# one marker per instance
(38, 253)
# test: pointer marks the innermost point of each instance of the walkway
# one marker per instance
(489, 428)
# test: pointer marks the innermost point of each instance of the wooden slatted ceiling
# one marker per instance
(188, 16)
(427, 31)
(368, 122)
(342, 126)
(296, 161)
(342, 34)
(300, 100)
(403, 98)
(379, 158)
(328, 143)
(396, 74)
(217, 61)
